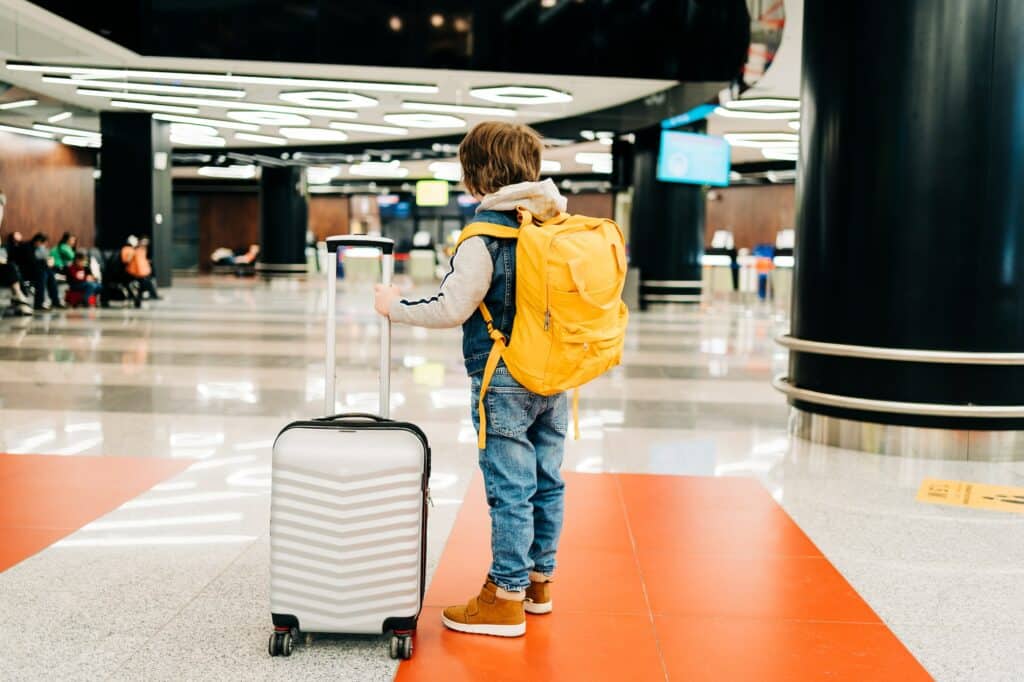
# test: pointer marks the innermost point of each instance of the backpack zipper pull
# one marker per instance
(430, 500)
(547, 320)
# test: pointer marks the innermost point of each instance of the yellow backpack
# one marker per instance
(570, 323)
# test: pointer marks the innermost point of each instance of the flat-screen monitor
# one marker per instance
(432, 193)
(694, 159)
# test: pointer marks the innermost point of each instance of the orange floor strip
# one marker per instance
(43, 498)
(664, 577)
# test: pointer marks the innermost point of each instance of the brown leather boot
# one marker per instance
(487, 614)
(538, 595)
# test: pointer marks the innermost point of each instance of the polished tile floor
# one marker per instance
(173, 583)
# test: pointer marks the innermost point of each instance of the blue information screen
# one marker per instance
(694, 159)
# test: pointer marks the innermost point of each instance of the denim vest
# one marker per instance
(500, 298)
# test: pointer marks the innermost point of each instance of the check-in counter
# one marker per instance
(716, 274)
(422, 265)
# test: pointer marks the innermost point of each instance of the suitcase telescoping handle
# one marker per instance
(387, 248)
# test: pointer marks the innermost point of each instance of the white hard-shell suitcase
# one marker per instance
(348, 515)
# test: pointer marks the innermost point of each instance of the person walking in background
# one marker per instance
(63, 254)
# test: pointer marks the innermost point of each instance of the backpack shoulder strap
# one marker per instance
(487, 230)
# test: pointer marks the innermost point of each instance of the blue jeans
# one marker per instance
(525, 491)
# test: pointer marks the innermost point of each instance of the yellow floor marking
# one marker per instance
(974, 495)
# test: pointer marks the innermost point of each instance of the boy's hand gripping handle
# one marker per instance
(387, 248)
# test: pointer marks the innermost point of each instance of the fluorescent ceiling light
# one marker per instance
(193, 130)
(67, 131)
(156, 108)
(762, 137)
(197, 77)
(234, 172)
(759, 103)
(25, 131)
(368, 128)
(459, 109)
(325, 99)
(322, 175)
(521, 94)
(757, 115)
(314, 134)
(266, 139)
(795, 125)
(146, 87)
(19, 104)
(72, 141)
(379, 169)
(426, 120)
(216, 123)
(269, 118)
(590, 158)
(547, 166)
(219, 103)
(57, 118)
(198, 141)
(790, 154)
(446, 170)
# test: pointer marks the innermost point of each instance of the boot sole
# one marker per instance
(485, 629)
(537, 609)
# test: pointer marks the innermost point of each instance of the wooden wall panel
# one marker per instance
(231, 220)
(328, 215)
(754, 213)
(593, 204)
(50, 188)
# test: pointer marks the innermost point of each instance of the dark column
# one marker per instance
(283, 220)
(911, 223)
(135, 186)
(666, 229)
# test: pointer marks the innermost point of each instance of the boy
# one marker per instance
(81, 279)
(525, 431)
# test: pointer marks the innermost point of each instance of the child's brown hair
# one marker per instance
(494, 154)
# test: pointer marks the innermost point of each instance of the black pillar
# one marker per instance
(283, 220)
(666, 229)
(135, 186)
(910, 213)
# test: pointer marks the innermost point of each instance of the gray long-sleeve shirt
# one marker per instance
(461, 291)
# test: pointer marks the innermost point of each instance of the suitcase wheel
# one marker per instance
(281, 644)
(401, 647)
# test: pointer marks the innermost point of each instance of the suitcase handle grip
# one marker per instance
(353, 415)
(387, 246)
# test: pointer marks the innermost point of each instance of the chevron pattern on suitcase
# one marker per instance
(345, 550)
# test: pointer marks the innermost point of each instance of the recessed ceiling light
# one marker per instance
(266, 139)
(322, 175)
(193, 130)
(89, 142)
(57, 118)
(216, 123)
(521, 94)
(325, 99)
(757, 115)
(157, 108)
(314, 134)
(197, 141)
(760, 103)
(241, 172)
(761, 140)
(92, 73)
(459, 109)
(269, 118)
(395, 23)
(25, 131)
(437, 20)
(426, 120)
(446, 170)
(379, 169)
(368, 128)
(19, 104)
(547, 166)
(222, 104)
(66, 131)
(146, 87)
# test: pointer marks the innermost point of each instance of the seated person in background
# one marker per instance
(249, 257)
(136, 264)
(80, 277)
(41, 274)
(63, 254)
